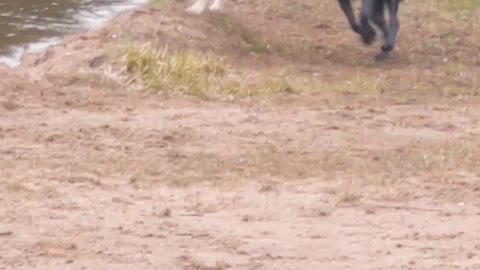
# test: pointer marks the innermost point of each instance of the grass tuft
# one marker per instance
(171, 71)
(201, 75)
(348, 197)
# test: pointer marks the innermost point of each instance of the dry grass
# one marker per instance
(470, 6)
(199, 74)
(205, 75)
(348, 197)
(176, 71)
(360, 83)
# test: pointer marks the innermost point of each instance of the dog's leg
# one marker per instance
(216, 6)
(367, 32)
(391, 37)
(347, 9)
(198, 7)
(378, 17)
(393, 6)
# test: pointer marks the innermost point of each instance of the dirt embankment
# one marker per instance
(341, 164)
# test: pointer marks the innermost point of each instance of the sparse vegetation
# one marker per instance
(173, 71)
(205, 75)
(359, 84)
(460, 5)
(348, 197)
(202, 75)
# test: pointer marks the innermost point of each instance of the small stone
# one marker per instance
(246, 218)
(5, 233)
(117, 200)
(166, 212)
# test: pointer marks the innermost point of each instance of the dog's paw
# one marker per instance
(356, 29)
(386, 48)
(368, 36)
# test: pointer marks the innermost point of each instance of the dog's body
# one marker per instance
(374, 10)
(200, 5)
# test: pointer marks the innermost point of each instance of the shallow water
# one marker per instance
(32, 25)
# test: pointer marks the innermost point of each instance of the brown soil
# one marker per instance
(94, 176)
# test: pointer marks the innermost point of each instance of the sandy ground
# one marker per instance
(95, 177)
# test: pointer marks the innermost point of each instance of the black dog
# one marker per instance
(374, 10)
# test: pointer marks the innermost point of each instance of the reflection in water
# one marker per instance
(24, 22)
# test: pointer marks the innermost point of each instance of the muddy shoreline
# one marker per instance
(64, 58)
(67, 20)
